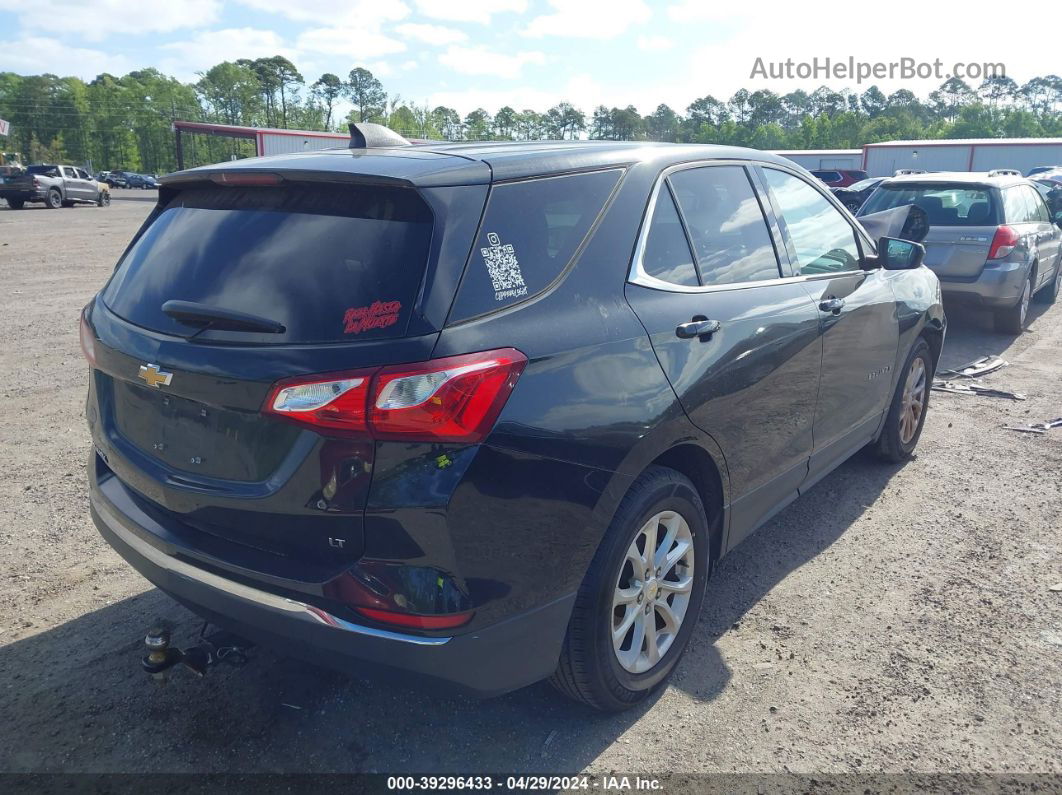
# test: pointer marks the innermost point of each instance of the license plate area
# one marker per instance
(197, 438)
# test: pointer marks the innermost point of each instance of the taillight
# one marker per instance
(338, 403)
(455, 399)
(1003, 243)
(88, 341)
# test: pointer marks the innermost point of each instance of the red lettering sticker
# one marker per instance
(380, 314)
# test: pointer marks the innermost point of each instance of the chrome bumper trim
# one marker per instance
(278, 604)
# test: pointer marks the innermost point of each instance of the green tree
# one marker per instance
(366, 94)
(327, 90)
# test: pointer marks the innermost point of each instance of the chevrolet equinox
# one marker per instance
(486, 414)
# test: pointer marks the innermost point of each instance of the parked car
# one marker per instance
(839, 177)
(149, 182)
(134, 180)
(54, 185)
(855, 194)
(482, 470)
(113, 179)
(992, 240)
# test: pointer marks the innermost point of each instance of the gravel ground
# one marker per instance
(894, 619)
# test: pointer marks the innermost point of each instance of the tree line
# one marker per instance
(124, 122)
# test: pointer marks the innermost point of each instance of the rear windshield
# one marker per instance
(47, 171)
(945, 205)
(331, 263)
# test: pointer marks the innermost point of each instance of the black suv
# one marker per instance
(485, 414)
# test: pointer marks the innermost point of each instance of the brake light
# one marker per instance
(236, 178)
(414, 621)
(88, 341)
(36, 182)
(1006, 238)
(455, 399)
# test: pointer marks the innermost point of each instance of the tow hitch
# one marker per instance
(220, 646)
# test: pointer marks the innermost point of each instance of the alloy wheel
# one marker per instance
(914, 400)
(652, 592)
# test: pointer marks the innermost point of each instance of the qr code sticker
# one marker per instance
(503, 268)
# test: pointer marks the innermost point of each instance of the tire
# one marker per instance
(54, 200)
(15, 204)
(1012, 320)
(1049, 292)
(590, 668)
(104, 199)
(906, 417)
(853, 207)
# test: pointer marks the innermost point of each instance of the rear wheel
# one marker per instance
(1012, 320)
(907, 412)
(641, 598)
(54, 200)
(1049, 293)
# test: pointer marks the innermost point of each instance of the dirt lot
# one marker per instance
(894, 619)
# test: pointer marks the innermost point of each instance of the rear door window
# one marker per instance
(1038, 209)
(331, 263)
(666, 255)
(726, 225)
(530, 232)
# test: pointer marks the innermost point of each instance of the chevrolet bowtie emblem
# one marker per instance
(153, 376)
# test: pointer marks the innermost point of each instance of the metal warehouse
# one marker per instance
(823, 158)
(268, 141)
(961, 154)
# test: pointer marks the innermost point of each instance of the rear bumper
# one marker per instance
(998, 286)
(22, 195)
(499, 658)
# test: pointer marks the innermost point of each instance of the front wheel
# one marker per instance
(641, 598)
(104, 199)
(907, 412)
(1049, 293)
(15, 204)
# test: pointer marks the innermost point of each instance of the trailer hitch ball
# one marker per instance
(160, 657)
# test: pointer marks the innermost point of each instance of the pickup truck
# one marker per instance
(55, 186)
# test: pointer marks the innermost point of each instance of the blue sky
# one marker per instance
(524, 53)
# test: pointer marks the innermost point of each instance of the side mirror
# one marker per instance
(895, 254)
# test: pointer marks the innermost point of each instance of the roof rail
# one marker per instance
(900, 172)
(1004, 172)
(365, 135)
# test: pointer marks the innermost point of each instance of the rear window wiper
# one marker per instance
(215, 317)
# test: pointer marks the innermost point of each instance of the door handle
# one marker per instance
(832, 304)
(697, 328)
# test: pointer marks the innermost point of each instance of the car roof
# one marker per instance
(972, 178)
(438, 163)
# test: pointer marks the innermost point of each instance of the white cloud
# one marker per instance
(102, 19)
(654, 43)
(356, 43)
(699, 11)
(185, 58)
(589, 19)
(469, 10)
(481, 61)
(328, 12)
(31, 54)
(431, 34)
